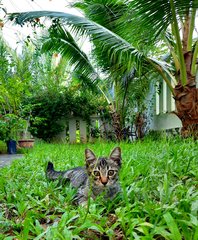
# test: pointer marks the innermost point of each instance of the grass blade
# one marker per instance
(172, 226)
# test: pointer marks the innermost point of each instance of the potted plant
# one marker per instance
(10, 125)
(26, 141)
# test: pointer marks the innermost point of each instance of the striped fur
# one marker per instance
(99, 175)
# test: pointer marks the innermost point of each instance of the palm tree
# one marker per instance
(60, 40)
(174, 20)
(121, 80)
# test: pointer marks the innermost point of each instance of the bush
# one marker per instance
(10, 125)
(50, 107)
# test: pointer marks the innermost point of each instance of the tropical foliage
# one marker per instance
(15, 80)
(127, 35)
(39, 90)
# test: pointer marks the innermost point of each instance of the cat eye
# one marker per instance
(96, 173)
(111, 172)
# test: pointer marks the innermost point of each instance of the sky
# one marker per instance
(12, 33)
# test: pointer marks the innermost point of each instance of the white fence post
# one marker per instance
(74, 122)
(72, 130)
(83, 131)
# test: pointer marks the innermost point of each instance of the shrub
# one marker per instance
(50, 107)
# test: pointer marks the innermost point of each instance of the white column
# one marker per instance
(164, 96)
(157, 100)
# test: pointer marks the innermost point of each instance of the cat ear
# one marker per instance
(116, 155)
(89, 156)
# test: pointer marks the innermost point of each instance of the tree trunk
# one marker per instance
(139, 122)
(186, 96)
(186, 99)
(116, 122)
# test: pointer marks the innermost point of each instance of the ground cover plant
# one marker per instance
(159, 198)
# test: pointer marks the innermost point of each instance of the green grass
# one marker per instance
(159, 198)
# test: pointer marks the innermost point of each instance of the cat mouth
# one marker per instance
(104, 185)
(101, 185)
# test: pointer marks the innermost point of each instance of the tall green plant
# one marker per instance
(14, 79)
(60, 40)
(116, 85)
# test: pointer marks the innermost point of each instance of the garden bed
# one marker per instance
(159, 198)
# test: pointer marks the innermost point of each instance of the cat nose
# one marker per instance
(104, 180)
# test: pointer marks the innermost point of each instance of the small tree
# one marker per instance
(14, 84)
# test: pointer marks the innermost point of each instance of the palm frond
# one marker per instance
(106, 13)
(61, 41)
(116, 45)
(157, 15)
(118, 49)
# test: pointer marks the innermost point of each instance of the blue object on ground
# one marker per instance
(11, 147)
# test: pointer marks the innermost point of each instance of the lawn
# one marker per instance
(159, 197)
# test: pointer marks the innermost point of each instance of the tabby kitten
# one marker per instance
(99, 175)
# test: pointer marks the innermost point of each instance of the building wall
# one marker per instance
(163, 117)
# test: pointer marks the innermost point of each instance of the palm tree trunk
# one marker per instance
(186, 99)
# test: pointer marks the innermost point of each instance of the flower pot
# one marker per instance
(11, 147)
(26, 143)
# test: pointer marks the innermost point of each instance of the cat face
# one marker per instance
(103, 170)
